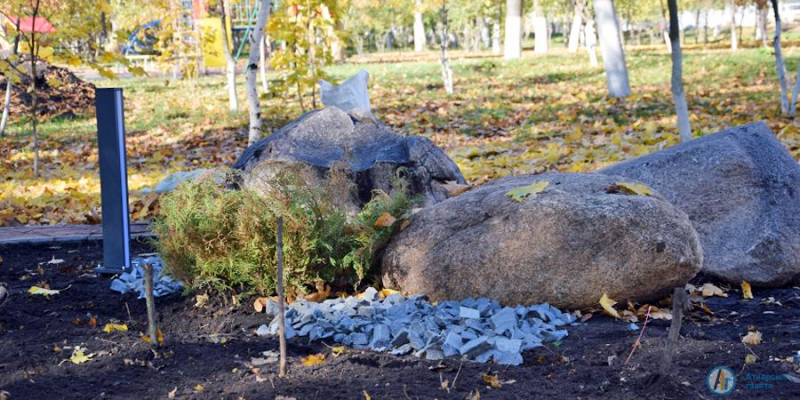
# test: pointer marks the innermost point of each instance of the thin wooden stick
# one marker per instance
(678, 301)
(281, 320)
(151, 304)
(638, 341)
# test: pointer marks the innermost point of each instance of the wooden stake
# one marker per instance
(679, 301)
(281, 320)
(152, 331)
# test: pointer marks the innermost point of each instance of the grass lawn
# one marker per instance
(506, 117)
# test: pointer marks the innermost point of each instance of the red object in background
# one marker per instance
(29, 24)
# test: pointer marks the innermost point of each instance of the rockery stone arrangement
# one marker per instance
(567, 245)
(370, 151)
(741, 190)
(475, 329)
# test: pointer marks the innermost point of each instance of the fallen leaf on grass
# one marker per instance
(78, 356)
(384, 293)
(750, 359)
(453, 188)
(708, 290)
(338, 350)
(747, 291)
(608, 306)
(159, 336)
(198, 388)
(493, 381)
(42, 291)
(313, 359)
(115, 328)
(636, 189)
(752, 338)
(384, 221)
(366, 395)
(322, 293)
(92, 322)
(519, 194)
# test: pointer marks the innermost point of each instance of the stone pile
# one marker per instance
(475, 329)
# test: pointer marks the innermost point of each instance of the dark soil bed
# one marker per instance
(36, 333)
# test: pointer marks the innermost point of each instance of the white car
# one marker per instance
(790, 10)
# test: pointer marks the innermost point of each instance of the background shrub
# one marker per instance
(212, 237)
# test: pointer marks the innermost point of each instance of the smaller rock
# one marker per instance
(466, 312)
(401, 339)
(381, 337)
(402, 350)
(371, 294)
(475, 347)
(507, 358)
(263, 330)
(508, 345)
(434, 354)
(504, 320)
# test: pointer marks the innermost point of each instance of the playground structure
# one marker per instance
(199, 30)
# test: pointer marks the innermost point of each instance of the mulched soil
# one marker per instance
(61, 93)
(36, 333)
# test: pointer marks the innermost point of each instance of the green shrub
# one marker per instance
(212, 237)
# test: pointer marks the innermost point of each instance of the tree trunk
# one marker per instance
(419, 27)
(513, 42)
(697, 26)
(447, 70)
(611, 49)
(575, 30)
(786, 108)
(281, 304)
(497, 44)
(762, 12)
(678, 95)
(9, 85)
(540, 29)
(254, 106)
(262, 63)
(591, 42)
(734, 35)
(230, 70)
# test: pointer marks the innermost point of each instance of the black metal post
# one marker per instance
(113, 181)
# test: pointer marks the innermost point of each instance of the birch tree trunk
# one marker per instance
(591, 43)
(513, 42)
(575, 30)
(9, 85)
(540, 29)
(734, 34)
(611, 48)
(230, 69)
(447, 70)
(255, 37)
(786, 108)
(262, 64)
(419, 27)
(678, 95)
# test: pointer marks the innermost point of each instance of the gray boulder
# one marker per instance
(741, 190)
(370, 151)
(569, 244)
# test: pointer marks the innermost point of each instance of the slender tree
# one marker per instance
(678, 95)
(419, 27)
(786, 108)
(734, 36)
(513, 42)
(577, 22)
(447, 70)
(540, 28)
(230, 69)
(255, 38)
(9, 84)
(611, 48)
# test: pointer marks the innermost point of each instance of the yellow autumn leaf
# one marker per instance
(752, 338)
(750, 358)
(385, 220)
(338, 350)
(493, 381)
(78, 356)
(519, 194)
(198, 388)
(42, 291)
(454, 188)
(200, 300)
(747, 291)
(313, 359)
(608, 306)
(386, 292)
(115, 328)
(366, 396)
(708, 290)
(631, 188)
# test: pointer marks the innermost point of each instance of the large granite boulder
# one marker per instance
(741, 190)
(580, 237)
(367, 149)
